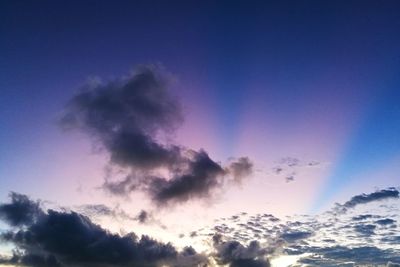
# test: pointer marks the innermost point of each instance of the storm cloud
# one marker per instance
(134, 119)
(71, 239)
(21, 211)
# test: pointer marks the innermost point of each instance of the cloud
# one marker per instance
(134, 119)
(98, 210)
(72, 239)
(295, 236)
(241, 169)
(201, 176)
(291, 167)
(339, 255)
(384, 194)
(21, 210)
(327, 239)
(127, 116)
(143, 216)
(237, 255)
(386, 221)
(365, 229)
(375, 196)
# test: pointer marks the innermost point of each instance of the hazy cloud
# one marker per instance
(240, 169)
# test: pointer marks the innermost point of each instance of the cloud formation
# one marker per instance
(375, 196)
(328, 239)
(133, 119)
(70, 239)
(241, 169)
(21, 211)
(237, 255)
(290, 167)
(57, 238)
(384, 194)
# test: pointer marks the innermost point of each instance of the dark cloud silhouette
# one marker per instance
(21, 210)
(72, 239)
(375, 196)
(33, 260)
(143, 216)
(127, 116)
(134, 118)
(237, 255)
(384, 194)
(201, 176)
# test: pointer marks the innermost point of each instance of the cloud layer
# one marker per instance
(57, 238)
(329, 239)
(366, 233)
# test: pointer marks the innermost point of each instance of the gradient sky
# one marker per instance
(312, 81)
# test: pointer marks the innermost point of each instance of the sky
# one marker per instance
(250, 131)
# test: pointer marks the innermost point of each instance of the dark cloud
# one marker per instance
(134, 119)
(21, 210)
(72, 239)
(362, 217)
(386, 221)
(375, 196)
(237, 255)
(201, 176)
(295, 235)
(365, 229)
(143, 216)
(127, 116)
(33, 260)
